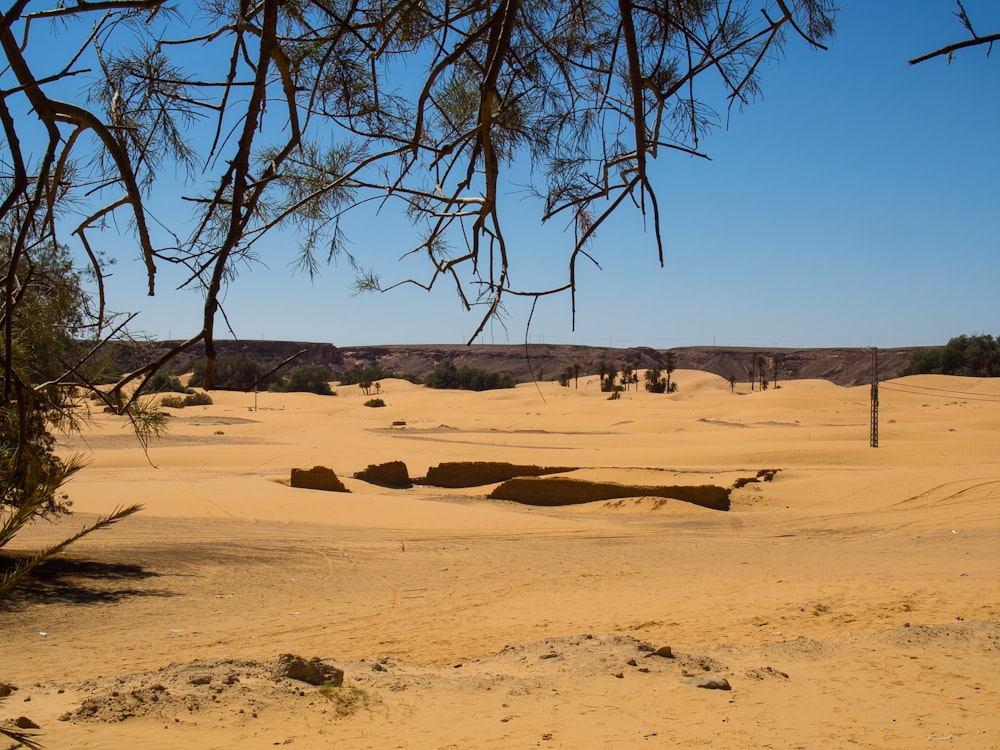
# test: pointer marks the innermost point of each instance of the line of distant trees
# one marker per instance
(970, 356)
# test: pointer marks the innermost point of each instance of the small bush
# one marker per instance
(305, 379)
(199, 398)
(162, 382)
(374, 402)
(193, 399)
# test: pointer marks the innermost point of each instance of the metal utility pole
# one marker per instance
(874, 430)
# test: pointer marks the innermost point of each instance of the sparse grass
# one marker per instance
(346, 699)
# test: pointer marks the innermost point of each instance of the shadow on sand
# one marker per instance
(65, 580)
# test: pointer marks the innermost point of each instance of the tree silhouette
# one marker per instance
(626, 374)
(974, 39)
(669, 365)
(299, 114)
(777, 362)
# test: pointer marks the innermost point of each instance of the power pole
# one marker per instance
(874, 430)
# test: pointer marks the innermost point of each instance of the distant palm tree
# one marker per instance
(626, 374)
(777, 362)
(607, 373)
(732, 384)
(669, 366)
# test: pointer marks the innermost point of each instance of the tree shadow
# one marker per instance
(63, 580)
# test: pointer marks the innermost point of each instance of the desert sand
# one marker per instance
(851, 601)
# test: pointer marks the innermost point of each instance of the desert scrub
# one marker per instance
(193, 399)
(346, 699)
(374, 402)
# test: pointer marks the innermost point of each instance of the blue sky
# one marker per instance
(857, 203)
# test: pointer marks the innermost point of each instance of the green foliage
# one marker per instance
(48, 307)
(305, 379)
(448, 375)
(607, 374)
(655, 382)
(233, 370)
(375, 402)
(197, 398)
(358, 375)
(163, 382)
(969, 356)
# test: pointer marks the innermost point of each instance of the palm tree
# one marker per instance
(654, 383)
(761, 363)
(670, 365)
(626, 374)
(607, 373)
(777, 362)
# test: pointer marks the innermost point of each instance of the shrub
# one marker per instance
(198, 398)
(305, 379)
(233, 370)
(162, 382)
(374, 402)
(357, 375)
(448, 375)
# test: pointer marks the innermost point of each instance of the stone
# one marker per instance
(664, 652)
(708, 682)
(23, 722)
(314, 671)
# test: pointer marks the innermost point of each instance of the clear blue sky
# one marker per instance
(857, 203)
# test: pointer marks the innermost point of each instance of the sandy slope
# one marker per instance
(854, 601)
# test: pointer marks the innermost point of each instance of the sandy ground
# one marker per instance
(853, 601)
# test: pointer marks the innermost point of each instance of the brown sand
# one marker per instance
(854, 601)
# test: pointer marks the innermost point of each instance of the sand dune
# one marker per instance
(853, 600)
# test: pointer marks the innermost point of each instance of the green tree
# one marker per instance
(655, 383)
(296, 116)
(449, 376)
(302, 118)
(305, 379)
(626, 375)
(44, 306)
(233, 371)
(969, 356)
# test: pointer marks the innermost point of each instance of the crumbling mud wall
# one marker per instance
(458, 474)
(392, 474)
(554, 491)
(317, 478)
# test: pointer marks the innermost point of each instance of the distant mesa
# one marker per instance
(317, 478)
